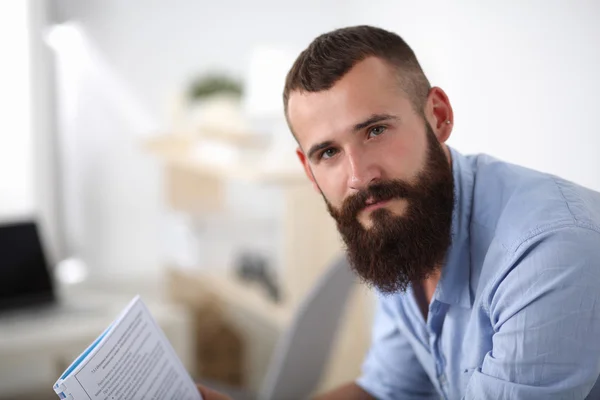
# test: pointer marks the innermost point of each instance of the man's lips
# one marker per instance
(371, 206)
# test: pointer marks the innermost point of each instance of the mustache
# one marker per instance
(376, 192)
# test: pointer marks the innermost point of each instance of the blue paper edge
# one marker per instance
(85, 354)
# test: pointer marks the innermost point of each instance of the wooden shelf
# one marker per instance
(231, 291)
(244, 306)
(236, 138)
(177, 150)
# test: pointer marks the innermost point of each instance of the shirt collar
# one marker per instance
(454, 286)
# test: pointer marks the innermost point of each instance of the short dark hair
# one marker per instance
(331, 55)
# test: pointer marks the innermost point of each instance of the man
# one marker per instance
(488, 273)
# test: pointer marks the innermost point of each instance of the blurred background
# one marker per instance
(145, 140)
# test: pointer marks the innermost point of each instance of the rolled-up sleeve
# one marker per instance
(391, 369)
(545, 314)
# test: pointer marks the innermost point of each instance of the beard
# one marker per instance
(400, 249)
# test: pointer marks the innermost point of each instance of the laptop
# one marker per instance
(25, 276)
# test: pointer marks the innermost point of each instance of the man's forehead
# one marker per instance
(322, 116)
(306, 109)
(315, 117)
(370, 87)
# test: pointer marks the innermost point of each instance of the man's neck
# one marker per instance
(424, 291)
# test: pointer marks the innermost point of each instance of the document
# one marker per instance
(131, 360)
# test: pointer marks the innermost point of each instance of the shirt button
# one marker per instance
(443, 380)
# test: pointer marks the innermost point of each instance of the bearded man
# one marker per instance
(488, 273)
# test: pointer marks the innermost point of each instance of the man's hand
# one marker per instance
(350, 391)
(209, 394)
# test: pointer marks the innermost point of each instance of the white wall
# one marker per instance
(47, 187)
(522, 75)
(157, 45)
(16, 147)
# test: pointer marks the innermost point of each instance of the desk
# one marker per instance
(36, 348)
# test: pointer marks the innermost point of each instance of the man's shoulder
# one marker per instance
(531, 223)
(517, 203)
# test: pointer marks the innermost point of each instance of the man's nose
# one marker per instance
(363, 171)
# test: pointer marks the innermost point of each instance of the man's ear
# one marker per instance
(307, 170)
(439, 114)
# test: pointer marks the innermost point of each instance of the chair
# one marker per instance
(302, 352)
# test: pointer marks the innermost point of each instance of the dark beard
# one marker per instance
(399, 250)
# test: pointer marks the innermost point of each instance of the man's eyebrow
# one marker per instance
(373, 119)
(317, 147)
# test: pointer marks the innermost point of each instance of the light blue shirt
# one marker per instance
(516, 313)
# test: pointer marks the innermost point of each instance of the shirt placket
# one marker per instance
(437, 312)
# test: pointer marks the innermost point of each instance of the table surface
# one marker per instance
(81, 312)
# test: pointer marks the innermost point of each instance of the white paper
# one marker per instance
(134, 361)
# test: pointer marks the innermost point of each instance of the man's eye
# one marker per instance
(376, 131)
(328, 153)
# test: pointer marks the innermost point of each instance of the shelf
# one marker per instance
(236, 138)
(177, 150)
(192, 287)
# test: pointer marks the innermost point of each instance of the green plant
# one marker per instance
(210, 84)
